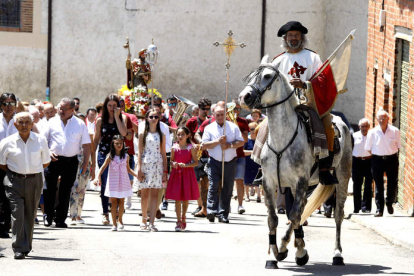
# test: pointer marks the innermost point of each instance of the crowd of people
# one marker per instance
(49, 155)
(52, 154)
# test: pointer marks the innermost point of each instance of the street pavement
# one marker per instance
(238, 248)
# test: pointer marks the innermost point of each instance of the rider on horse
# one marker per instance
(299, 64)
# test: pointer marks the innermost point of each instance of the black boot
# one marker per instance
(325, 176)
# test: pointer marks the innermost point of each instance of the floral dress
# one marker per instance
(152, 166)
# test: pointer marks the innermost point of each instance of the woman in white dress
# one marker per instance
(152, 166)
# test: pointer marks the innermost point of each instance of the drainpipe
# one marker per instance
(49, 50)
(263, 37)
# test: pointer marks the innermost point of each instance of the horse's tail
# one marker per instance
(319, 196)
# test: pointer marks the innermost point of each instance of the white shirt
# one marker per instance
(67, 140)
(380, 143)
(214, 131)
(24, 158)
(359, 145)
(300, 65)
(6, 129)
(164, 129)
(43, 127)
(91, 127)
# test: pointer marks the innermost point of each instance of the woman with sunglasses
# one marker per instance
(152, 166)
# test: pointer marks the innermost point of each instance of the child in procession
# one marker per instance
(182, 185)
(119, 186)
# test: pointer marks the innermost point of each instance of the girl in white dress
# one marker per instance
(152, 166)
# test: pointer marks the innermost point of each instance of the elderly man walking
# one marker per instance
(383, 142)
(67, 135)
(23, 156)
(361, 169)
(215, 141)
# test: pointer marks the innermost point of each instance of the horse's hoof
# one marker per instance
(302, 261)
(271, 265)
(282, 255)
(338, 261)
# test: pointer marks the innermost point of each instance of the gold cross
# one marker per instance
(229, 46)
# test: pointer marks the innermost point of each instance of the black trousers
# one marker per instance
(5, 213)
(66, 168)
(361, 170)
(388, 165)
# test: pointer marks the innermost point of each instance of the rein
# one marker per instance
(279, 154)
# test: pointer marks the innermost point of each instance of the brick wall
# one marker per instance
(381, 55)
(26, 18)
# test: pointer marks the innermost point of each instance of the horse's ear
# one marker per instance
(265, 59)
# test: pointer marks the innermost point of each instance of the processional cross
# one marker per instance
(229, 45)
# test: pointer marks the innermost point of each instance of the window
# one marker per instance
(10, 13)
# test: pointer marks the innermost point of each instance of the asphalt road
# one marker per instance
(238, 248)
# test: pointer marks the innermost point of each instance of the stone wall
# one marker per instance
(88, 59)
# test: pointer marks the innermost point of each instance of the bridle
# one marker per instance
(260, 91)
(257, 104)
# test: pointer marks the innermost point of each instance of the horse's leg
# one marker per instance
(302, 256)
(283, 251)
(272, 219)
(341, 193)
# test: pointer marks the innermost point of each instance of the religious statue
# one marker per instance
(138, 70)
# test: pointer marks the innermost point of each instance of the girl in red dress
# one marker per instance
(182, 185)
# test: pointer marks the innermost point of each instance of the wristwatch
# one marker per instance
(231, 145)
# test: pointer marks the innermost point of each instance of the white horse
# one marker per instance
(269, 88)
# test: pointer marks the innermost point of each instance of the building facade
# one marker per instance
(88, 58)
(389, 82)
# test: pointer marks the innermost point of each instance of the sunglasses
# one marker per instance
(237, 109)
(205, 108)
(154, 117)
(9, 104)
(157, 105)
(252, 129)
(172, 104)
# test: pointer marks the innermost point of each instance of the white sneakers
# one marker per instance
(241, 210)
(114, 228)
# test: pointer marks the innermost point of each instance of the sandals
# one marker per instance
(105, 219)
(152, 228)
(178, 226)
(200, 215)
(183, 224)
(144, 226)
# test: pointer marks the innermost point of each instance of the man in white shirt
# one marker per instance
(67, 135)
(361, 169)
(23, 156)
(215, 142)
(383, 142)
(90, 120)
(8, 104)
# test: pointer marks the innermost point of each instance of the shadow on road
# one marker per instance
(349, 269)
(38, 258)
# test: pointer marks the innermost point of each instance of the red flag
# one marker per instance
(330, 79)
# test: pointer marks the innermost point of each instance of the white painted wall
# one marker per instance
(341, 18)
(88, 59)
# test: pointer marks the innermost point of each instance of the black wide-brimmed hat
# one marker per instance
(292, 26)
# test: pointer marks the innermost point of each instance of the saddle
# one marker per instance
(315, 131)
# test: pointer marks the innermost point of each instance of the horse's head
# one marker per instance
(263, 84)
